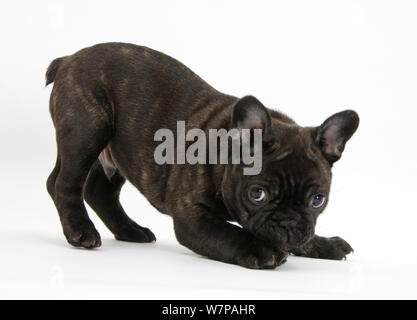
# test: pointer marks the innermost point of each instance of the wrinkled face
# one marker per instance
(281, 204)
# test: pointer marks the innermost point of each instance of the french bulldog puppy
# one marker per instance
(106, 104)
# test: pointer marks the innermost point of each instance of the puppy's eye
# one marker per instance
(317, 201)
(257, 195)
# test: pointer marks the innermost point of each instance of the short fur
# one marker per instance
(108, 101)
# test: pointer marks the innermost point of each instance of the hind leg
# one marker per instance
(102, 194)
(81, 135)
(77, 227)
(50, 184)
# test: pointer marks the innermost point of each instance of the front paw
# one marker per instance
(259, 256)
(338, 248)
(334, 248)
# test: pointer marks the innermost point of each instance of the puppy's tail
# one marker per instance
(52, 70)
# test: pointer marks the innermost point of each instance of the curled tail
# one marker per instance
(52, 70)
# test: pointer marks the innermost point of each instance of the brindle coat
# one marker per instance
(108, 101)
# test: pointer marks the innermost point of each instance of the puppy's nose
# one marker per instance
(288, 224)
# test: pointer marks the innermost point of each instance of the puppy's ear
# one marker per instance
(250, 113)
(333, 134)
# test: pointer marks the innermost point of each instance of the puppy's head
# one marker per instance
(281, 204)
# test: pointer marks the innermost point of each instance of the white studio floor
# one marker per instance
(37, 262)
(307, 59)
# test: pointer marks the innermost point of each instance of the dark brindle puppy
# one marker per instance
(107, 103)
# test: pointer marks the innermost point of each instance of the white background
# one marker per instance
(309, 59)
